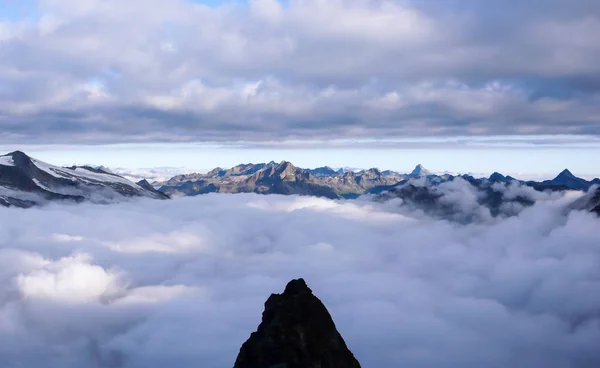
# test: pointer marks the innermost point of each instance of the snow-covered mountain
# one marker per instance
(419, 171)
(26, 182)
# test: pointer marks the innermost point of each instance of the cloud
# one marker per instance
(403, 288)
(460, 201)
(70, 279)
(105, 71)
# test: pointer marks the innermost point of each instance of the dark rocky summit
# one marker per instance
(296, 332)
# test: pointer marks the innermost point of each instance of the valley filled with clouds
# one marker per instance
(148, 283)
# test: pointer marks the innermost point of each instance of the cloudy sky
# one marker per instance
(455, 85)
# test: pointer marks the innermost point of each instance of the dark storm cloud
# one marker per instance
(107, 71)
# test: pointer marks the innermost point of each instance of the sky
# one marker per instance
(461, 86)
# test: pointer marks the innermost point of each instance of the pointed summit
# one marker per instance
(565, 174)
(296, 332)
(568, 180)
(285, 164)
(285, 168)
(419, 171)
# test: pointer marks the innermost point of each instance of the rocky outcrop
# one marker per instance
(296, 331)
(147, 186)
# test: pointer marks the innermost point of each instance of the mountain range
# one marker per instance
(282, 178)
(285, 178)
(26, 182)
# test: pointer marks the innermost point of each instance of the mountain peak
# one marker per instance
(17, 154)
(567, 179)
(420, 170)
(496, 176)
(217, 171)
(296, 287)
(296, 331)
(19, 158)
(565, 174)
(285, 165)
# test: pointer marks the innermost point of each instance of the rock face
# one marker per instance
(296, 332)
(283, 178)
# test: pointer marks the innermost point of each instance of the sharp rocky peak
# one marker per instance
(565, 174)
(285, 166)
(420, 170)
(296, 331)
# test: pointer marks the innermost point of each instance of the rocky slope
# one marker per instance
(26, 182)
(282, 178)
(285, 178)
(296, 331)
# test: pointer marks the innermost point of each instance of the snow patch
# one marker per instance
(83, 174)
(6, 161)
(39, 184)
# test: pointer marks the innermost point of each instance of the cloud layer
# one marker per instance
(106, 71)
(183, 282)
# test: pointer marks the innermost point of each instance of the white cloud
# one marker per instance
(177, 70)
(71, 279)
(187, 282)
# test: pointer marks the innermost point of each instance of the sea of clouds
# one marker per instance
(182, 283)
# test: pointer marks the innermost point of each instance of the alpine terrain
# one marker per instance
(26, 182)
